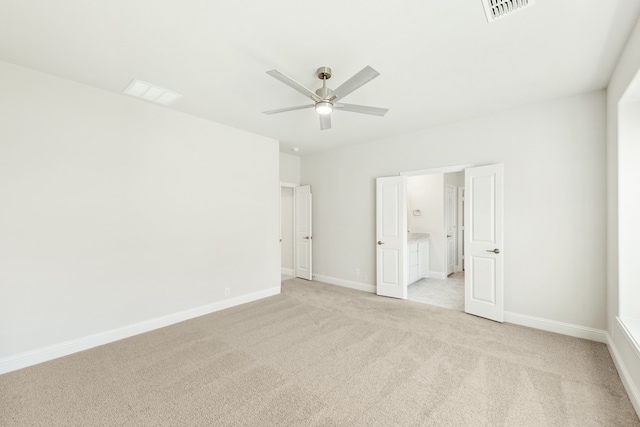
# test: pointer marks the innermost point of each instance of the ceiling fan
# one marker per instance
(325, 99)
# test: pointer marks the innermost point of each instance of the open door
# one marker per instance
(391, 236)
(483, 239)
(304, 237)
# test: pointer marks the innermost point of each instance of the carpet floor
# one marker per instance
(321, 355)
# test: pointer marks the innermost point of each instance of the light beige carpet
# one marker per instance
(320, 355)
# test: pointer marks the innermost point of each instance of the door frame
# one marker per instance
(443, 169)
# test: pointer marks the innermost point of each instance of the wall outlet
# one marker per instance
(357, 272)
(227, 292)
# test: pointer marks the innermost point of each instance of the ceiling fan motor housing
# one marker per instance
(324, 92)
(324, 73)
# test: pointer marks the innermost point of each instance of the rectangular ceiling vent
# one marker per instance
(152, 93)
(496, 9)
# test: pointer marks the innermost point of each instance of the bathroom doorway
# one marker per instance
(398, 259)
(434, 210)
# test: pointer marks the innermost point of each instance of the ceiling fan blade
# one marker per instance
(359, 79)
(294, 84)
(282, 110)
(362, 109)
(325, 121)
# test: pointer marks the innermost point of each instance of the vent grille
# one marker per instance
(152, 93)
(496, 9)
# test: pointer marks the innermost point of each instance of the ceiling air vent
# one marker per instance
(152, 93)
(496, 9)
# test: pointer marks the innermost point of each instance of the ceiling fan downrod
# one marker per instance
(324, 106)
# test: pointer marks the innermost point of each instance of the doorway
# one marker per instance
(433, 212)
(296, 246)
(287, 236)
(483, 238)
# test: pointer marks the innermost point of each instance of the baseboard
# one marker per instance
(55, 351)
(626, 357)
(287, 271)
(436, 275)
(345, 283)
(557, 327)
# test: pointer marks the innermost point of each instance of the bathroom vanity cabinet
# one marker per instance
(418, 256)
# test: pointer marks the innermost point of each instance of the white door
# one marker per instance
(483, 237)
(450, 226)
(304, 247)
(391, 236)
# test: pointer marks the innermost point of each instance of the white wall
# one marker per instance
(554, 162)
(116, 211)
(289, 168)
(624, 352)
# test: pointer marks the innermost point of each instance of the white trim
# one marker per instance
(288, 184)
(444, 169)
(569, 329)
(345, 283)
(287, 271)
(44, 354)
(618, 360)
(437, 275)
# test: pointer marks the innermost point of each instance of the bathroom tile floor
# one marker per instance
(448, 293)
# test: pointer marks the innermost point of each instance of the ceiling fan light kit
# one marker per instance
(324, 98)
(324, 107)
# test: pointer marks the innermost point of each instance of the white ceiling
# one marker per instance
(440, 61)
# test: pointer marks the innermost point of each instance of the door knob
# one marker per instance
(380, 242)
(495, 251)
(308, 237)
(448, 235)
